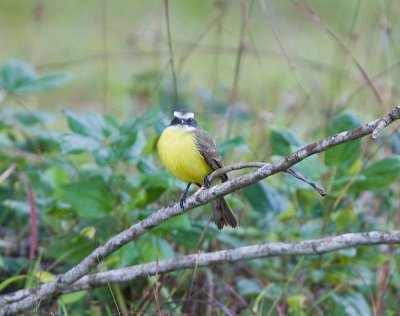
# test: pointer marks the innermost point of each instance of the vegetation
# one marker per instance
(73, 176)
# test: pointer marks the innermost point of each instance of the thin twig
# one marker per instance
(292, 68)
(171, 53)
(299, 176)
(257, 164)
(7, 173)
(327, 28)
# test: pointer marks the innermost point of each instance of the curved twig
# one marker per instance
(257, 164)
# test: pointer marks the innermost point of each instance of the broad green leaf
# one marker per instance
(248, 287)
(264, 198)
(344, 155)
(76, 144)
(15, 73)
(378, 174)
(129, 254)
(43, 83)
(229, 239)
(71, 298)
(153, 248)
(125, 139)
(14, 265)
(132, 151)
(56, 175)
(354, 304)
(174, 223)
(88, 124)
(187, 237)
(236, 143)
(282, 142)
(146, 166)
(89, 198)
(157, 179)
(149, 118)
(33, 118)
(69, 249)
(19, 77)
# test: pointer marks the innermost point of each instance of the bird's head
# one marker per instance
(183, 118)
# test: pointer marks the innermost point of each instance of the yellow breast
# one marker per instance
(179, 154)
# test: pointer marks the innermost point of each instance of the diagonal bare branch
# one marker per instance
(201, 197)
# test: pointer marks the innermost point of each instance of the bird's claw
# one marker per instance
(206, 182)
(182, 202)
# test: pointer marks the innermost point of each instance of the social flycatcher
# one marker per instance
(190, 154)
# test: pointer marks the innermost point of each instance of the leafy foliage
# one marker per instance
(18, 77)
(101, 175)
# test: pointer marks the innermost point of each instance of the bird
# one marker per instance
(191, 155)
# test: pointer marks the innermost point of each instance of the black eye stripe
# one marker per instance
(188, 122)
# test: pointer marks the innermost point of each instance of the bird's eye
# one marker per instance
(190, 120)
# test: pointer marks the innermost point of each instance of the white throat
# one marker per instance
(185, 128)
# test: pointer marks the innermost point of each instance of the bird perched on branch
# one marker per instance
(190, 154)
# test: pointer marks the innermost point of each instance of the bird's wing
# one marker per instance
(208, 150)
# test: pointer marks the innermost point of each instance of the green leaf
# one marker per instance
(12, 280)
(297, 303)
(264, 198)
(72, 297)
(154, 248)
(14, 265)
(43, 84)
(18, 77)
(104, 155)
(344, 155)
(248, 287)
(19, 207)
(70, 249)
(187, 237)
(33, 118)
(88, 124)
(236, 143)
(354, 304)
(90, 198)
(378, 174)
(174, 224)
(76, 144)
(129, 254)
(151, 117)
(282, 142)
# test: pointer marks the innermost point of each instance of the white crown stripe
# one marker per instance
(183, 115)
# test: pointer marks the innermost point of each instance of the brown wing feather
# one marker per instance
(209, 151)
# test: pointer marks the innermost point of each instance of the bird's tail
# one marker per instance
(223, 214)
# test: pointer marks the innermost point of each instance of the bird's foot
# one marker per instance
(206, 182)
(182, 202)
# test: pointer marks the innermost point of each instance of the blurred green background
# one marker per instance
(87, 88)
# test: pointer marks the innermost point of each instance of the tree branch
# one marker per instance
(201, 197)
(257, 164)
(274, 249)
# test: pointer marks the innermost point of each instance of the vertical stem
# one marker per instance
(171, 54)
